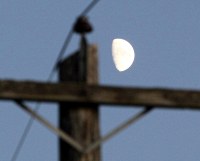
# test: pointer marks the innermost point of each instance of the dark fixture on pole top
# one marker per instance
(82, 25)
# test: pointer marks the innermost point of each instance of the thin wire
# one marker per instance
(61, 53)
(24, 135)
(59, 58)
(89, 7)
(46, 123)
(37, 107)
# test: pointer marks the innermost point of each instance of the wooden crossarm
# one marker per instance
(97, 94)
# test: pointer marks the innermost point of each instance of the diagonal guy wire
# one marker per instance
(58, 60)
(24, 134)
(61, 53)
(89, 7)
(59, 132)
(37, 107)
(118, 129)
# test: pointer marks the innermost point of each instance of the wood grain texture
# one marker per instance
(80, 121)
(75, 92)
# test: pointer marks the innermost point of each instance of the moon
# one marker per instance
(123, 54)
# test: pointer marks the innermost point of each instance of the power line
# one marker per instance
(37, 107)
(24, 135)
(56, 130)
(89, 7)
(61, 53)
(58, 60)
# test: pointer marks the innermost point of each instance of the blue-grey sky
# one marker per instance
(165, 35)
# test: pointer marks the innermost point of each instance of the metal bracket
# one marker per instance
(74, 143)
(118, 129)
(59, 132)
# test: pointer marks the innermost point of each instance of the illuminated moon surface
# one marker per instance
(123, 54)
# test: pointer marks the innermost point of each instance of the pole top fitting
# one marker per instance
(82, 25)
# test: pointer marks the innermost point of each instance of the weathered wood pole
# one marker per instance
(80, 121)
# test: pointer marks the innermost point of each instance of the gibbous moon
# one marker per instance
(123, 54)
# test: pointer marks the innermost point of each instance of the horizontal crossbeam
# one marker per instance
(95, 94)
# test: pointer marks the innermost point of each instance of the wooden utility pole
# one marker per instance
(80, 121)
(79, 95)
